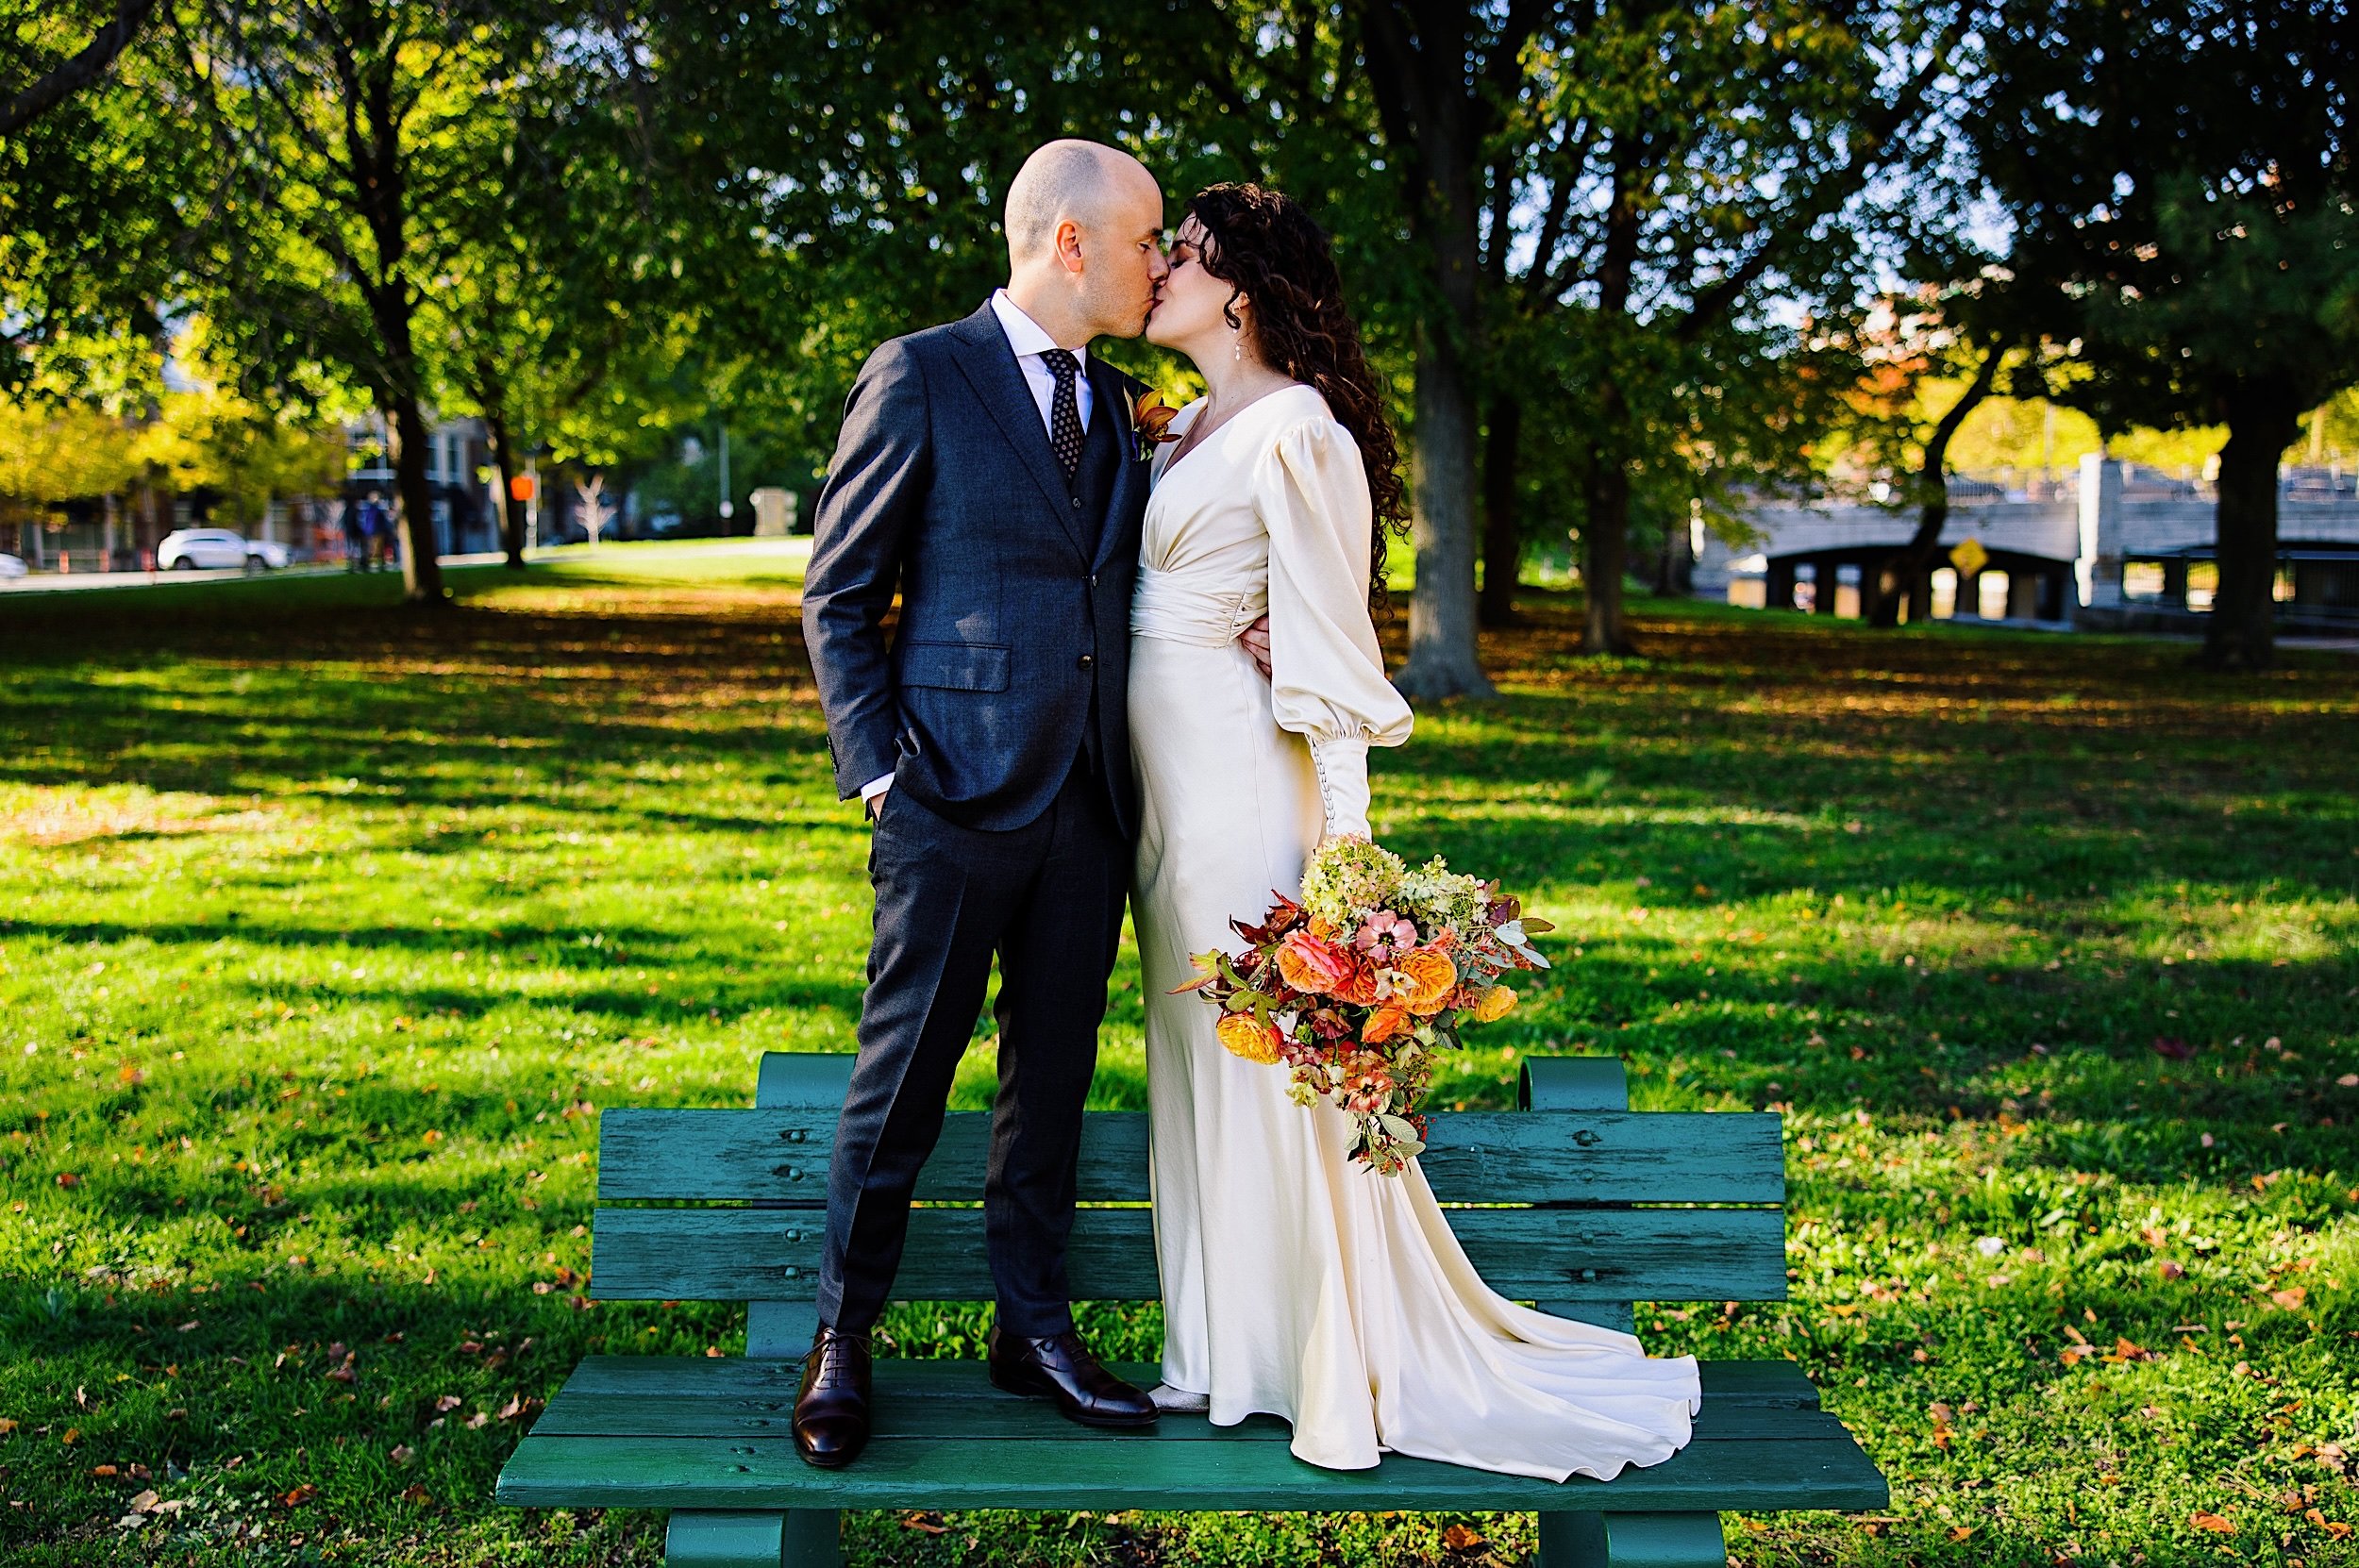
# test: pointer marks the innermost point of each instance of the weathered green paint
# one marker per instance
(1573, 1083)
(1472, 1157)
(903, 1381)
(806, 1538)
(676, 1396)
(1525, 1253)
(1089, 1470)
(710, 1439)
(1631, 1540)
(789, 1081)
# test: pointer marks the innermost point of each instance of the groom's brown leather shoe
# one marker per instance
(832, 1409)
(1060, 1368)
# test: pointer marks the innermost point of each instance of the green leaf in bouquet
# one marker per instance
(1402, 1136)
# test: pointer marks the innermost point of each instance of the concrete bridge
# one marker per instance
(2108, 548)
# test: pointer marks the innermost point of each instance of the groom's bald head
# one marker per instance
(1086, 182)
(1084, 225)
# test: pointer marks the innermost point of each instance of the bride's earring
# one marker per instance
(1236, 347)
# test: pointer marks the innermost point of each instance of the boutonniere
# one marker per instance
(1150, 422)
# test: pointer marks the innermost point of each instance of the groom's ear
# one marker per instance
(1065, 242)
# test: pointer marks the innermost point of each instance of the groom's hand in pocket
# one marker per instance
(1255, 640)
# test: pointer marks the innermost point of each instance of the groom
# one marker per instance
(988, 469)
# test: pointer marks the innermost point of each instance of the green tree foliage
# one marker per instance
(348, 136)
(2181, 176)
(96, 175)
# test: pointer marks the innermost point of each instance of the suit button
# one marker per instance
(1088, 660)
(1077, 500)
(1093, 579)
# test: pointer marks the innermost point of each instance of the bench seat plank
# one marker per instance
(1524, 1254)
(781, 1154)
(905, 1379)
(1821, 1469)
(660, 1397)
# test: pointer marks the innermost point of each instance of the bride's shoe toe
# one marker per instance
(1173, 1401)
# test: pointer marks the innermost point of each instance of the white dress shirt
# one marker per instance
(1030, 340)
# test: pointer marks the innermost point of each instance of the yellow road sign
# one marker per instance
(1969, 558)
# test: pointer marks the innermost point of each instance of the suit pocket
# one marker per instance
(955, 666)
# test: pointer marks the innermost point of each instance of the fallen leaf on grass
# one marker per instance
(416, 1495)
(403, 1453)
(1458, 1538)
(2290, 1298)
(929, 1523)
(299, 1496)
(2213, 1523)
(144, 1502)
(447, 1402)
(1959, 1532)
(2173, 1046)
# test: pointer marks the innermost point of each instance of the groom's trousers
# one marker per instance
(1046, 898)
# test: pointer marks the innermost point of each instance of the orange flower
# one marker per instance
(1495, 1003)
(1385, 1022)
(1359, 987)
(1151, 417)
(1248, 1037)
(1431, 976)
(1312, 966)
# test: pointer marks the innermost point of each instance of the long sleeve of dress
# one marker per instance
(1327, 674)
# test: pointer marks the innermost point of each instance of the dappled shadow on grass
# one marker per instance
(494, 868)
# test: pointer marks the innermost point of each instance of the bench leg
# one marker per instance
(800, 1538)
(1631, 1540)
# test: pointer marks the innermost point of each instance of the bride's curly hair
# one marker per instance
(1270, 251)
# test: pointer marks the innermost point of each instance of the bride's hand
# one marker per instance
(1255, 640)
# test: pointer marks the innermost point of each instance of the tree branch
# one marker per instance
(96, 58)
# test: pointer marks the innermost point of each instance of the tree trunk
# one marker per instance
(2263, 420)
(512, 507)
(1605, 555)
(1605, 525)
(1442, 620)
(420, 565)
(1430, 116)
(1503, 521)
(1885, 585)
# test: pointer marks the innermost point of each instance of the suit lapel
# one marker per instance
(1113, 405)
(987, 363)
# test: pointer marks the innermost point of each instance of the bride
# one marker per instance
(1296, 1282)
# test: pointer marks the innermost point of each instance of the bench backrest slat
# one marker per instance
(1568, 1197)
(780, 1157)
(1527, 1254)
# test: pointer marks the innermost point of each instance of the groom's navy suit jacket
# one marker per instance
(1016, 602)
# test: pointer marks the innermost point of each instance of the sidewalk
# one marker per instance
(74, 582)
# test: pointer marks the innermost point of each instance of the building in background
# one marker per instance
(2119, 549)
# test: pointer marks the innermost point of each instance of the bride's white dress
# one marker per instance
(1294, 1281)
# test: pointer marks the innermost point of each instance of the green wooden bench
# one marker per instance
(1588, 1207)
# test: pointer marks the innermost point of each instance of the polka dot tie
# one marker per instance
(1064, 410)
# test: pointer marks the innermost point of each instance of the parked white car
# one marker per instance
(12, 566)
(189, 548)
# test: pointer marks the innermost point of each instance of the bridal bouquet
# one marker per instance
(1357, 988)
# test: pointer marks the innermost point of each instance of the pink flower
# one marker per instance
(1312, 966)
(1383, 935)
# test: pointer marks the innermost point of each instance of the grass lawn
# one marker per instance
(325, 930)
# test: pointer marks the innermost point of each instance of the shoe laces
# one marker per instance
(836, 1360)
